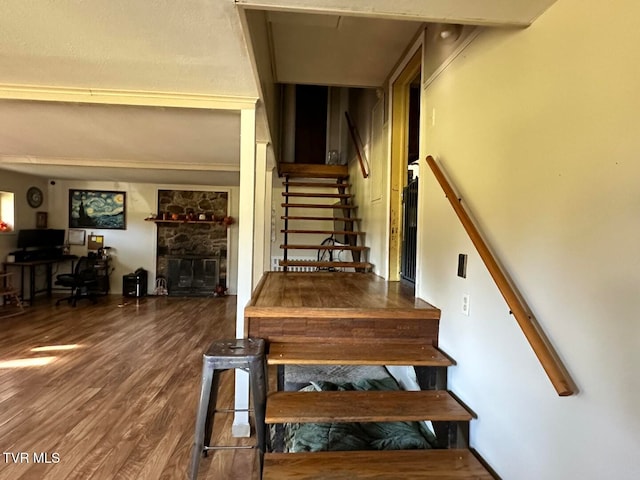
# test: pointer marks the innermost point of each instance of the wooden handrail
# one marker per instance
(355, 137)
(532, 331)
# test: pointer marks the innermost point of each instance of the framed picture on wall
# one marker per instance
(41, 219)
(77, 237)
(98, 209)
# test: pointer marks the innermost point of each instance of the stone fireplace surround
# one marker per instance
(192, 257)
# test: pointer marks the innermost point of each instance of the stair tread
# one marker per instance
(451, 464)
(302, 217)
(325, 232)
(358, 248)
(363, 406)
(302, 170)
(316, 184)
(356, 354)
(318, 205)
(320, 264)
(316, 195)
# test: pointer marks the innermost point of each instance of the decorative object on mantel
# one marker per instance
(175, 218)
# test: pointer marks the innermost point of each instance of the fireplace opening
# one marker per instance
(193, 276)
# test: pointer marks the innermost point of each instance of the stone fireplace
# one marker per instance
(192, 253)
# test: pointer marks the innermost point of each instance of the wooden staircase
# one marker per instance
(438, 406)
(310, 189)
(365, 322)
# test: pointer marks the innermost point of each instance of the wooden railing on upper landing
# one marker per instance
(355, 137)
(532, 331)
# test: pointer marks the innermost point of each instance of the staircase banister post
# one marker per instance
(532, 331)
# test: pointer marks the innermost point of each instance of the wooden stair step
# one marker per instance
(451, 464)
(356, 354)
(318, 205)
(316, 184)
(321, 264)
(316, 195)
(354, 248)
(335, 219)
(364, 406)
(301, 170)
(325, 232)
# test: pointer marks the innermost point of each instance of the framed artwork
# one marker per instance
(77, 237)
(98, 209)
(41, 219)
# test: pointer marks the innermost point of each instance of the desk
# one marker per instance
(32, 265)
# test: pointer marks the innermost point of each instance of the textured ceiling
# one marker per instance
(191, 46)
(188, 47)
(336, 50)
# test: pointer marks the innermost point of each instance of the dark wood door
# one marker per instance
(311, 124)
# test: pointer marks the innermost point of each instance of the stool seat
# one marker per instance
(226, 354)
(240, 353)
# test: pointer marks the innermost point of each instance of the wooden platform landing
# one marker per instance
(338, 307)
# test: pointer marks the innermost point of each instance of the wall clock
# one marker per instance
(34, 197)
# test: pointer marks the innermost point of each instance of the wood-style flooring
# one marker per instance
(119, 405)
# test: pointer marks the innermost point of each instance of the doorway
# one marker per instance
(408, 255)
(311, 124)
(404, 152)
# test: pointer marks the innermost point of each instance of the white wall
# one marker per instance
(136, 246)
(537, 129)
(371, 195)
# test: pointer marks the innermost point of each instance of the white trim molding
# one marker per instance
(125, 97)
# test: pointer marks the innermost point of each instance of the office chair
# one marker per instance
(82, 282)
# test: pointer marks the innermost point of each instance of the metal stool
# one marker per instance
(246, 354)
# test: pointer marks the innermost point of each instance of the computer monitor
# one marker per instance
(40, 238)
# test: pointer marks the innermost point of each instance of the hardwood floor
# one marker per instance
(122, 403)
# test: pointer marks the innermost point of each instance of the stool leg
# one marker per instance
(211, 408)
(201, 418)
(258, 386)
